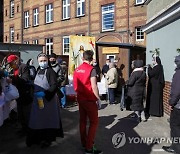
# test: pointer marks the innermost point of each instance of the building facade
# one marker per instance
(162, 31)
(51, 22)
(1, 21)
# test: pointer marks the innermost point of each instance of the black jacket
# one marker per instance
(175, 89)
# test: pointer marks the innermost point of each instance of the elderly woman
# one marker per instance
(136, 87)
(112, 81)
(45, 122)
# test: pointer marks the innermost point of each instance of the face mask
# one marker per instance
(107, 63)
(94, 64)
(53, 62)
(43, 65)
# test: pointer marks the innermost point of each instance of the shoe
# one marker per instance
(93, 151)
(169, 149)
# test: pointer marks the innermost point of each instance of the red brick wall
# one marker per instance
(166, 94)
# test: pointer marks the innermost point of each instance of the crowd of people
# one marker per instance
(45, 89)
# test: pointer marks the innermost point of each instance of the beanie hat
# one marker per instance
(11, 58)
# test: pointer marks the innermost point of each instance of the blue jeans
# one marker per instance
(111, 95)
(63, 100)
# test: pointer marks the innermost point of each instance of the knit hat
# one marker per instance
(11, 58)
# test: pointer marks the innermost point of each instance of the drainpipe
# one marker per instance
(88, 17)
(128, 21)
(22, 21)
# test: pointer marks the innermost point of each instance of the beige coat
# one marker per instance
(112, 78)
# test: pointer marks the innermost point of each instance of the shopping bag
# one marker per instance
(11, 93)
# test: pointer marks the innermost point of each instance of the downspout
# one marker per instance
(88, 17)
(22, 21)
(128, 31)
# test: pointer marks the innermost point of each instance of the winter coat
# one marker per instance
(175, 90)
(112, 78)
(136, 87)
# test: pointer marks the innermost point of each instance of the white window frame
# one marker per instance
(49, 45)
(66, 37)
(138, 29)
(66, 9)
(11, 34)
(108, 57)
(11, 8)
(35, 16)
(142, 1)
(26, 19)
(35, 41)
(49, 13)
(26, 42)
(105, 12)
(81, 4)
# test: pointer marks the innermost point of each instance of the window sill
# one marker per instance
(36, 26)
(65, 19)
(83, 15)
(140, 4)
(48, 22)
(104, 31)
(140, 40)
(26, 27)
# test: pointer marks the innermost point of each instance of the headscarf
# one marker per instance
(177, 61)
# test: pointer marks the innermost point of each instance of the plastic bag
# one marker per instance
(11, 93)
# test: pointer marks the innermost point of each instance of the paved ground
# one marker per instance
(112, 121)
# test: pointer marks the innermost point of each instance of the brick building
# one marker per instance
(1, 21)
(113, 23)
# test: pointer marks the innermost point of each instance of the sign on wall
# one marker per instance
(78, 44)
(110, 50)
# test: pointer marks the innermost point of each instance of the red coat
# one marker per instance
(82, 83)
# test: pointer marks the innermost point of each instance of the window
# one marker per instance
(18, 8)
(26, 42)
(108, 17)
(6, 13)
(11, 8)
(49, 13)
(17, 36)
(80, 7)
(139, 1)
(26, 19)
(111, 57)
(11, 34)
(49, 46)
(35, 17)
(65, 45)
(35, 41)
(66, 9)
(139, 34)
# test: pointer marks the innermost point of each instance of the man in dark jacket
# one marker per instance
(174, 102)
(105, 67)
(21, 79)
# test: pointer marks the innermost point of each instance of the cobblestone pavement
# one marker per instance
(132, 138)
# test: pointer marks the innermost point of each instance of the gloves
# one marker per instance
(99, 104)
(6, 74)
(39, 94)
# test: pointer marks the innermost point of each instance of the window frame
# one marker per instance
(49, 44)
(82, 4)
(26, 19)
(35, 16)
(51, 13)
(12, 8)
(136, 29)
(36, 41)
(138, 3)
(105, 12)
(67, 7)
(65, 37)
(11, 35)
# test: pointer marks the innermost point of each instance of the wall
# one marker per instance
(167, 39)
(155, 6)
